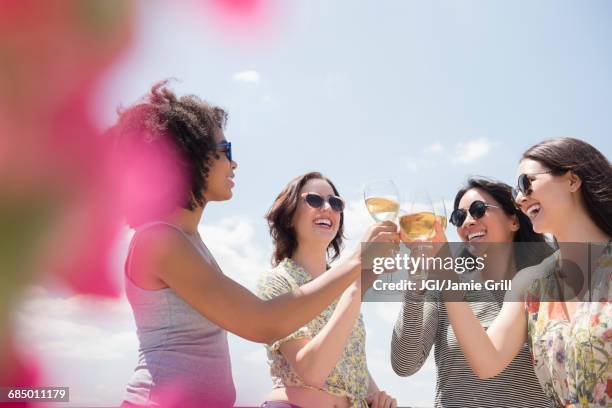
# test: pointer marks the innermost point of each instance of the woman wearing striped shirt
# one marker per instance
(564, 185)
(484, 211)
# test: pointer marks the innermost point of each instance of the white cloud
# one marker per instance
(472, 150)
(356, 220)
(252, 77)
(39, 302)
(233, 244)
(435, 147)
(412, 166)
(256, 356)
(78, 327)
(388, 311)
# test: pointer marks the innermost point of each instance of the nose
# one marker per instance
(520, 198)
(234, 165)
(326, 206)
(469, 220)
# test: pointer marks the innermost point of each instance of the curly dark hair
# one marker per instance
(525, 255)
(183, 127)
(281, 214)
(565, 154)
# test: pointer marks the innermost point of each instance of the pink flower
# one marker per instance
(52, 163)
(607, 336)
(600, 391)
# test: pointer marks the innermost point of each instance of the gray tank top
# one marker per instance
(181, 354)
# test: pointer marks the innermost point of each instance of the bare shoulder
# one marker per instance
(160, 249)
(525, 278)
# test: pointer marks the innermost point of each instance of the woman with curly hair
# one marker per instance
(183, 304)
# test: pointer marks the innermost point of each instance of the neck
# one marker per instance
(312, 257)
(500, 263)
(580, 228)
(574, 238)
(187, 220)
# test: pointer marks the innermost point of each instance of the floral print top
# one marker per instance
(573, 359)
(350, 377)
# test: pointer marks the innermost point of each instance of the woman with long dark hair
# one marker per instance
(564, 186)
(484, 212)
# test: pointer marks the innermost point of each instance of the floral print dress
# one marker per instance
(350, 377)
(572, 359)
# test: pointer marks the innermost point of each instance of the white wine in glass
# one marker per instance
(440, 211)
(382, 208)
(418, 224)
(382, 200)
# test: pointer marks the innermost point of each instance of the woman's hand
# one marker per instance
(381, 399)
(421, 247)
(380, 240)
(382, 232)
(435, 246)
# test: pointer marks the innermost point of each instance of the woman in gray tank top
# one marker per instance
(175, 159)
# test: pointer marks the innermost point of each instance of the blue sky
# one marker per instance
(425, 93)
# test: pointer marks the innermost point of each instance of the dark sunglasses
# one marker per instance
(317, 201)
(523, 184)
(227, 146)
(477, 210)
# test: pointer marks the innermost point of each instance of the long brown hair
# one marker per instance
(565, 154)
(280, 217)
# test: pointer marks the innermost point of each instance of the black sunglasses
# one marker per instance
(227, 146)
(316, 201)
(477, 210)
(523, 184)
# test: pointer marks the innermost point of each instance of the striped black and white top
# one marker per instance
(423, 321)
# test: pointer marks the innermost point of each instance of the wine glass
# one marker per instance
(383, 203)
(382, 200)
(418, 223)
(441, 213)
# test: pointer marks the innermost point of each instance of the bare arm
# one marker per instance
(313, 359)
(490, 351)
(230, 305)
(487, 351)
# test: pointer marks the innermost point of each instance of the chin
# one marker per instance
(539, 227)
(326, 237)
(222, 197)
(478, 248)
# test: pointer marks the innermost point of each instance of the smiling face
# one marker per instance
(316, 225)
(219, 182)
(550, 200)
(494, 226)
